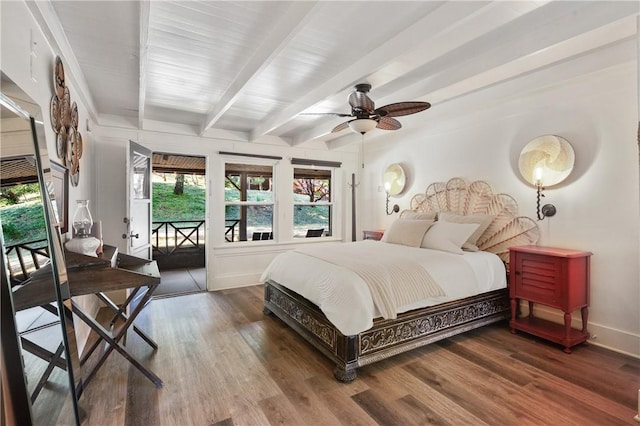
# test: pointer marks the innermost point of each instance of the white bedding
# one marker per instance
(344, 297)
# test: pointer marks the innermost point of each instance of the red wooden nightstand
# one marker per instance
(373, 235)
(553, 277)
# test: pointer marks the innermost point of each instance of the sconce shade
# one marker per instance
(546, 160)
(394, 179)
(362, 125)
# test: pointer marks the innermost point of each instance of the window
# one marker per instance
(249, 206)
(312, 202)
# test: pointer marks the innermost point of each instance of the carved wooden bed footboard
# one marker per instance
(387, 337)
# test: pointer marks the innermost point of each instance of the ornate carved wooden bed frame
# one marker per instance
(421, 326)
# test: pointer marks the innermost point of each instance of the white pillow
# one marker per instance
(411, 214)
(483, 221)
(407, 232)
(448, 236)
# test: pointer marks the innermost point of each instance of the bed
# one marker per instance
(440, 270)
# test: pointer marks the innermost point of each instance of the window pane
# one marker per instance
(307, 217)
(140, 177)
(311, 186)
(246, 184)
(258, 219)
(232, 188)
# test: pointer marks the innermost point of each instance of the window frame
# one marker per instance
(330, 232)
(251, 161)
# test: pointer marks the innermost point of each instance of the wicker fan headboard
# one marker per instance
(457, 196)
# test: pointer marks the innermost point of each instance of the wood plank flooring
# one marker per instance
(224, 363)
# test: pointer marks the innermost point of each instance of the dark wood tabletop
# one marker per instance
(87, 275)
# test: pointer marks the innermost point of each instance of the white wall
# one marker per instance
(479, 137)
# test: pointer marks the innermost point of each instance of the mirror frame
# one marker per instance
(11, 344)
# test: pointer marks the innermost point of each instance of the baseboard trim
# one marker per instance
(225, 282)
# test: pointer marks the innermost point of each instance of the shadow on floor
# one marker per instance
(176, 282)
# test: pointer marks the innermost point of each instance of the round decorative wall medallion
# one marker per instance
(54, 113)
(61, 143)
(546, 160)
(64, 121)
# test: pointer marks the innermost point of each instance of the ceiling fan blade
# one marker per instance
(340, 127)
(388, 123)
(338, 114)
(402, 108)
(361, 101)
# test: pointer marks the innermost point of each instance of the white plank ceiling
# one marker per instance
(252, 67)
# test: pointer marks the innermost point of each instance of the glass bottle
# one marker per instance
(82, 221)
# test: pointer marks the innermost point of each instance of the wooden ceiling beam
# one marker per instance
(283, 32)
(143, 58)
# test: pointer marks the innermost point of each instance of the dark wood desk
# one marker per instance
(87, 275)
(110, 271)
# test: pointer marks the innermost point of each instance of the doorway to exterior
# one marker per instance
(178, 232)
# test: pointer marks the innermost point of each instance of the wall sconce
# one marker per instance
(396, 208)
(546, 161)
(547, 210)
(394, 181)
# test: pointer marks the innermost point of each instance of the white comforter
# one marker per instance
(345, 298)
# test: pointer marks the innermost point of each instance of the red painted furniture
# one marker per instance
(373, 235)
(554, 277)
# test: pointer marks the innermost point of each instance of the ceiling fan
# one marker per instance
(367, 117)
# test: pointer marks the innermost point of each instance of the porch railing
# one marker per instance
(169, 236)
(230, 229)
(24, 258)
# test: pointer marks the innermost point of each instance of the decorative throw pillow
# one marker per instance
(483, 221)
(410, 214)
(407, 232)
(448, 236)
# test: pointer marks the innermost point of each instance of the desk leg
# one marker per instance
(113, 344)
(43, 354)
(55, 358)
(120, 314)
(136, 310)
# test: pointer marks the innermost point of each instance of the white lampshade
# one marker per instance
(546, 160)
(363, 125)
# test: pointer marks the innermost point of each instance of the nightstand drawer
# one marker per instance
(537, 279)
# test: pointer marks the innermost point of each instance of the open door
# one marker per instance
(138, 217)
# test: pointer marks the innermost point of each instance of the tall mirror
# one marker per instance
(40, 367)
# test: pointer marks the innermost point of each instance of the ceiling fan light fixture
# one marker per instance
(362, 125)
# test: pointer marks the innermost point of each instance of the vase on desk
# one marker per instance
(83, 242)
